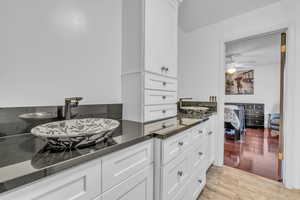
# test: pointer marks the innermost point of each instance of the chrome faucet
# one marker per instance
(181, 100)
(70, 103)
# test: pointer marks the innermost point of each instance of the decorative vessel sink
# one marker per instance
(75, 133)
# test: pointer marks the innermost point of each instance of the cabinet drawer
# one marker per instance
(79, 183)
(154, 97)
(161, 126)
(196, 184)
(174, 146)
(139, 187)
(198, 133)
(160, 112)
(121, 165)
(175, 176)
(198, 157)
(156, 82)
(184, 193)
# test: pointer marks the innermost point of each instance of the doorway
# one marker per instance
(254, 82)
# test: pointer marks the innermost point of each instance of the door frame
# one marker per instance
(288, 174)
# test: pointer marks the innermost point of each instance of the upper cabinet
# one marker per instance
(161, 37)
(149, 59)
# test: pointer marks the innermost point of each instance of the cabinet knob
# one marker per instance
(200, 153)
(164, 83)
(200, 131)
(164, 126)
(180, 143)
(164, 97)
(180, 173)
(163, 111)
(163, 68)
(210, 133)
(167, 69)
(200, 181)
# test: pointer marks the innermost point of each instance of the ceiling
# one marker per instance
(194, 14)
(254, 52)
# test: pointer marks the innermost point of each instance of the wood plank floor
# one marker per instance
(256, 152)
(226, 183)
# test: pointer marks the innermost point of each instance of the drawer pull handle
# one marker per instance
(180, 173)
(164, 83)
(180, 143)
(200, 154)
(164, 111)
(200, 181)
(164, 97)
(210, 133)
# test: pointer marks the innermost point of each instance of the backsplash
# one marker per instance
(12, 124)
(211, 105)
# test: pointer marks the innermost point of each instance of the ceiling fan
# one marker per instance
(232, 63)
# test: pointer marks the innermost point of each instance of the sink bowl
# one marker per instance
(75, 133)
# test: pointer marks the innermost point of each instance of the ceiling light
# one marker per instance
(231, 70)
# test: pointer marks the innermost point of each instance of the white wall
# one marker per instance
(266, 89)
(198, 63)
(59, 48)
(201, 59)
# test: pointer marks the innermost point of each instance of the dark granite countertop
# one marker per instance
(23, 158)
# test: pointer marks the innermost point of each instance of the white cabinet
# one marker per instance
(126, 174)
(174, 176)
(80, 183)
(119, 166)
(156, 82)
(180, 164)
(162, 126)
(196, 184)
(156, 97)
(149, 64)
(198, 134)
(137, 187)
(174, 146)
(160, 112)
(211, 140)
(183, 193)
(198, 155)
(161, 36)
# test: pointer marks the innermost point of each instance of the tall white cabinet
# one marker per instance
(149, 64)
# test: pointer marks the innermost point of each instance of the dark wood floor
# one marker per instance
(256, 153)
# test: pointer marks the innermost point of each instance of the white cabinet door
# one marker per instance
(211, 137)
(157, 82)
(156, 97)
(175, 176)
(198, 157)
(196, 184)
(184, 193)
(161, 37)
(137, 187)
(159, 112)
(80, 183)
(175, 145)
(198, 134)
(120, 165)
